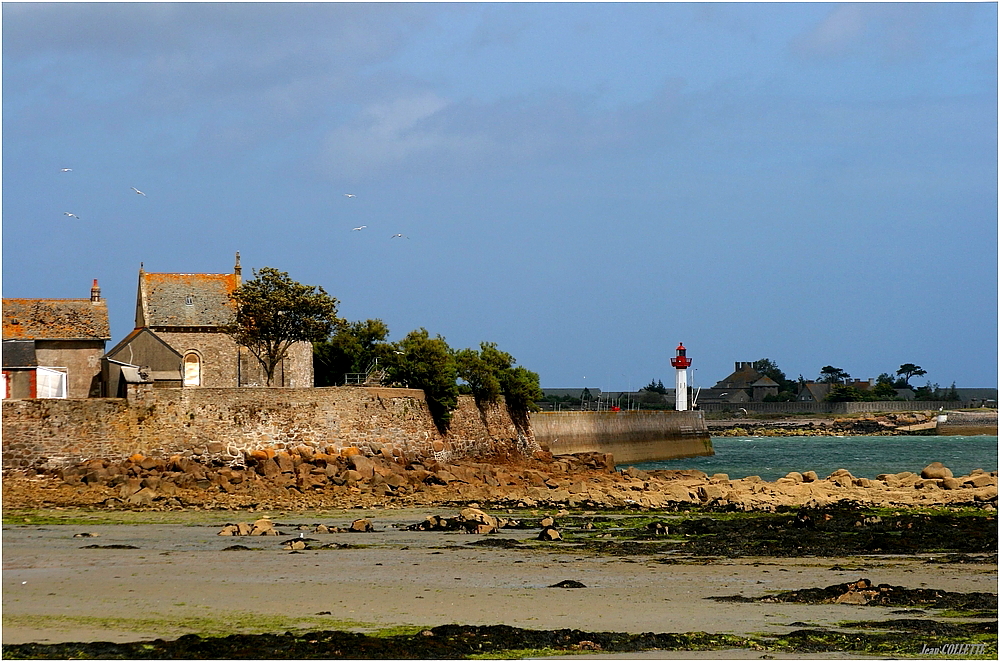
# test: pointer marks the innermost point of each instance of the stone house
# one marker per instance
(744, 384)
(187, 311)
(53, 347)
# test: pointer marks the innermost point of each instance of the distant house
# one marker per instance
(52, 347)
(744, 384)
(187, 311)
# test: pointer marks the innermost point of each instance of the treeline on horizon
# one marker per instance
(842, 389)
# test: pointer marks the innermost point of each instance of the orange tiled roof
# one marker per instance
(55, 319)
(187, 299)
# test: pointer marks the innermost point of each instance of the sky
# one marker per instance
(585, 184)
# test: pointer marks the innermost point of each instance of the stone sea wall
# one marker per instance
(631, 436)
(228, 423)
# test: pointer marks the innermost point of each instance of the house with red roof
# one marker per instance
(53, 347)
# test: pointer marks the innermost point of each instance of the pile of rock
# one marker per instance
(306, 479)
(265, 527)
(470, 520)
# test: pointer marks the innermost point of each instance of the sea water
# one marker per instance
(865, 457)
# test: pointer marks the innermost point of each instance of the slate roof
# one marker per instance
(167, 300)
(55, 319)
(19, 354)
(765, 381)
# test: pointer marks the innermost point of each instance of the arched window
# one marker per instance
(192, 369)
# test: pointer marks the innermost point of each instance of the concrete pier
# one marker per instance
(631, 436)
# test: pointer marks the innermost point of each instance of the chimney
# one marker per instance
(95, 293)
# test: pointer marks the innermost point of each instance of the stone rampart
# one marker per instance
(227, 423)
(631, 436)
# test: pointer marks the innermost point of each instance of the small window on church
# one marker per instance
(192, 370)
(188, 300)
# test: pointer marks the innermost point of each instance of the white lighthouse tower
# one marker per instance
(681, 362)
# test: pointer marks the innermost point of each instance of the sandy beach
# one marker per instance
(178, 580)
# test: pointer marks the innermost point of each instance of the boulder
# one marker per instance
(809, 477)
(550, 534)
(361, 526)
(936, 470)
(363, 465)
(950, 484)
(795, 476)
(980, 480)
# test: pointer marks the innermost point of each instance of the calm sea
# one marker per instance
(865, 457)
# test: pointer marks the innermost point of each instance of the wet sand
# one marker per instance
(180, 581)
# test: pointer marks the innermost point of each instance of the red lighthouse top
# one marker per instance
(681, 360)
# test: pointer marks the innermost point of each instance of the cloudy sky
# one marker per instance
(584, 184)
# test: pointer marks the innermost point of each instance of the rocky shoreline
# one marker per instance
(871, 425)
(301, 478)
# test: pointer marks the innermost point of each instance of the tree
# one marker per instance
(831, 375)
(478, 375)
(352, 348)
(908, 370)
(490, 373)
(655, 386)
(429, 364)
(273, 312)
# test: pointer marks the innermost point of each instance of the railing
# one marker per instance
(373, 377)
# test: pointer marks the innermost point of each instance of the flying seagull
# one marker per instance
(350, 195)
(138, 192)
(65, 170)
(399, 235)
(360, 227)
(66, 213)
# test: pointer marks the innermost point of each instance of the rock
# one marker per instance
(795, 476)
(809, 477)
(549, 534)
(718, 477)
(361, 525)
(936, 470)
(547, 522)
(86, 535)
(363, 465)
(229, 530)
(980, 480)
(569, 583)
(294, 544)
(950, 484)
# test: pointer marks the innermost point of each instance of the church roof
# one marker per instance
(185, 299)
(55, 319)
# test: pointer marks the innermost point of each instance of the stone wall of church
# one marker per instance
(225, 365)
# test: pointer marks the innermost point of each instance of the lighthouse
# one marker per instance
(681, 362)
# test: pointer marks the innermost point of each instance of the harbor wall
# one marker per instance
(226, 423)
(631, 436)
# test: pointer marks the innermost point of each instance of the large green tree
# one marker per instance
(491, 372)
(351, 348)
(429, 364)
(273, 312)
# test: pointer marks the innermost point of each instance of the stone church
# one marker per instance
(187, 312)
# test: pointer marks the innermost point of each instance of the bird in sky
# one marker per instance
(138, 192)
(397, 235)
(65, 170)
(71, 215)
(350, 195)
(360, 227)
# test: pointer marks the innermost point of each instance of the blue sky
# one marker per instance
(584, 184)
